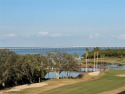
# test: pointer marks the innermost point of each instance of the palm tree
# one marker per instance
(86, 58)
(94, 59)
(102, 60)
(96, 54)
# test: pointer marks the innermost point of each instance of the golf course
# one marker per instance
(107, 82)
(62, 46)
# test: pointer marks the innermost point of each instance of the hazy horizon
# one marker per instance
(58, 23)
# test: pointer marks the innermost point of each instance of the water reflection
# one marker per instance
(115, 66)
(63, 74)
(90, 69)
(51, 75)
(74, 74)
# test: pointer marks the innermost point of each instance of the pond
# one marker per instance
(74, 74)
(90, 69)
(63, 74)
(115, 66)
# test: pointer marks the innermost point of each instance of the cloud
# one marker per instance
(122, 36)
(56, 35)
(36, 35)
(92, 36)
(119, 36)
(43, 33)
(10, 35)
(47, 34)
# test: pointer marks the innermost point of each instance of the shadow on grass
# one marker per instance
(123, 92)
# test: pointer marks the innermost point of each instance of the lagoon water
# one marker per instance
(89, 69)
(63, 74)
(71, 50)
(79, 51)
(115, 66)
(73, 74)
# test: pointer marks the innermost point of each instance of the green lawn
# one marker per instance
(108, 82)
(107, 60)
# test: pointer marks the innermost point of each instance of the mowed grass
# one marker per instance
(108, 60)
(105, 83)
(109, 82)
(53, 83)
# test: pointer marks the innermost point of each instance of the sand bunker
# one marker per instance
(94, 73)
(121, 75)
(18, 88)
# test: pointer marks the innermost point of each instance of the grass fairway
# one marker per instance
(107, 60)
(107, 82)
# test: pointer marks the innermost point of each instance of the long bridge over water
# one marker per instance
(66, 47)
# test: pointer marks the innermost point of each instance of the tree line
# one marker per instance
(120, 53)
(18, 69)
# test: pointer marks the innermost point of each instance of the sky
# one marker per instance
(59, 23)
